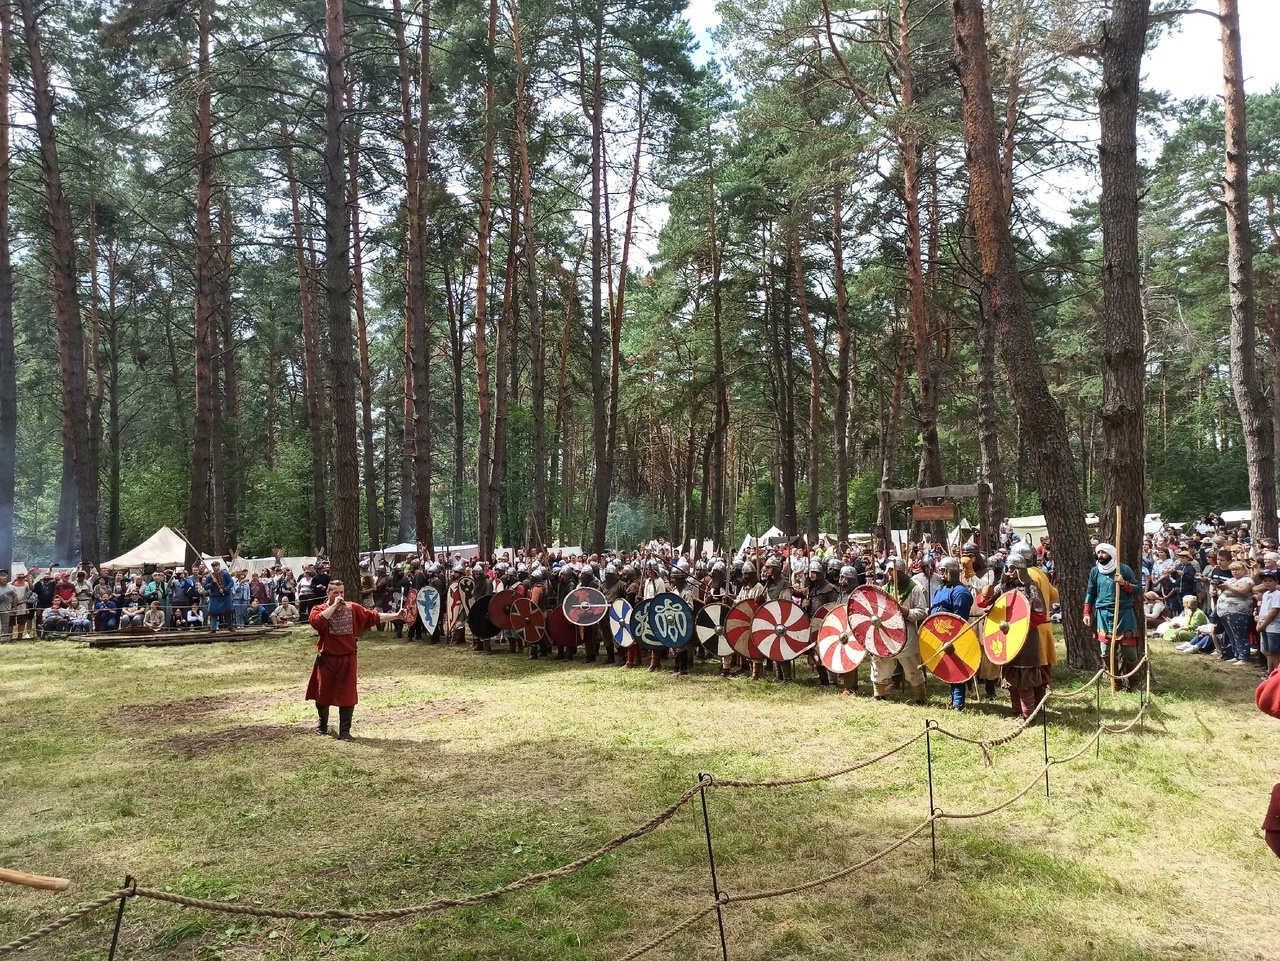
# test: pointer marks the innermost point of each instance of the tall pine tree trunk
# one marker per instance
(600, 425)
(312, 378)
(842, 368)
(337, 283)
(815, 393)
(8, 359)
(373, 522)
(71, 356)
(417, 152)
(412, 347)
(1259, 443)
(1124, 444)
(485, 519)
(1040, 417)
(539, 527)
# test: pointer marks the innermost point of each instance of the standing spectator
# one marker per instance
(182, 591)
(7, 598)
(261, 599)
(240, 598)
(219, 586)
(1235, 612)
(23, 615)
(1269, 621)
(156, 592)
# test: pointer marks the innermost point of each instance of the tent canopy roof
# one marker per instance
(163, 548)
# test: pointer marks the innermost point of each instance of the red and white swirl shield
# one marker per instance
(526, 619)
(737, 628)
(839, 651)
(710, 623)
(876, 620)
(781, 630)
(815, 622)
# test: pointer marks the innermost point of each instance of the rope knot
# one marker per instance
(723, 898)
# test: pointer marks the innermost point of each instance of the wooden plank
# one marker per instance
(180, 638)
(33, 880)
(933, 512)
(951, 491)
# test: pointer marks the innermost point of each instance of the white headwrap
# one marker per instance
(1110, 566)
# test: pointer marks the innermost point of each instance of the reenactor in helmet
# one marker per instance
(915, 607)
(1024, 674)
(952, 597)
(819, 591)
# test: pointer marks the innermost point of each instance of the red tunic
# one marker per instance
(333, 679)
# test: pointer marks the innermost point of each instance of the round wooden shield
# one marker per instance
(500, 609)
(479, 622)
(411, 608)
(876, 620)
(620, 623)
(671, 620)
(428, 607)
(585, 606)
(640, 629)
(815, 622)
(526, 619)
(838, 649)
(1005, 629)
(560, 629)
(709, 623)
(950, 648)
(737, 628)
(781, 630)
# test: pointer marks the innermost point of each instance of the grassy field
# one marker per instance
(197, 770)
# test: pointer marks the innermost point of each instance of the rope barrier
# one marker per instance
(938, 814)
(645, 828)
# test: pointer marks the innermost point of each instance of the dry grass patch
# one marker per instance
(195, 769)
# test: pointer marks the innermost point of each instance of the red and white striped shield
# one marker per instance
(737, 628)
(876, 620)
(781, 630)
(839, 651)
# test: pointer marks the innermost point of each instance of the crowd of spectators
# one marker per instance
(44, 603)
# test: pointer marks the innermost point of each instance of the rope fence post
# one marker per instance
(711, 860)
(115, 934)
(1097, 711)
(1044, 727)
(933, 810)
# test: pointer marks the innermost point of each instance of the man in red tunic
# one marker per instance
(333, 679)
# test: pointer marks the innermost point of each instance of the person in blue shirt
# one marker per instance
(219, 586)
(952, 598)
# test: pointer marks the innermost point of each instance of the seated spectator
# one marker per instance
(81, 622)
(105, 615)
(131, 615)
(1153, 608)
(286, 615)
(56, 619)
(195, 617)
(1182, 630)
(154, 619)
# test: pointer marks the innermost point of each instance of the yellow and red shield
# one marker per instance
(950, 648)
(1005, 629)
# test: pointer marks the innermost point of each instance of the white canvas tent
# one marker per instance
(164, 548)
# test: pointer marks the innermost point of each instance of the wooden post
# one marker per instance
(33, 880)
(986, 522)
